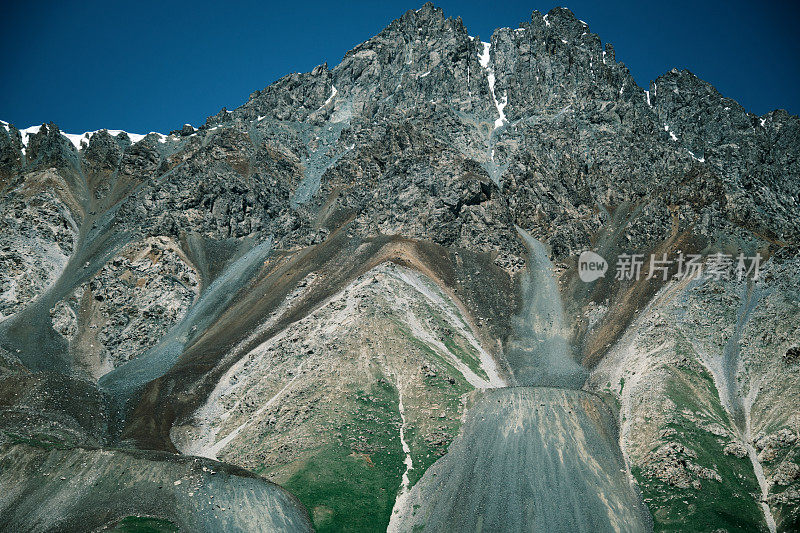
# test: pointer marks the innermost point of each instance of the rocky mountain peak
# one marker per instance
(426, 16)
(561, 21)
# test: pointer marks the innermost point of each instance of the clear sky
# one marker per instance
(154, 65)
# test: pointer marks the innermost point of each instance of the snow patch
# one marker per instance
(500, 105)
(26, 136)
(671, 134)
(332, 96)
(483, 57)
(700, 159)
(81, 140)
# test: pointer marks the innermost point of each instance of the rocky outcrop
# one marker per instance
(388, 353)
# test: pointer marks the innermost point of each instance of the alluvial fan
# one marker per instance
(529, 459)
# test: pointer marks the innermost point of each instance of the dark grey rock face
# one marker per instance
(528, 459)
(51, 408)
(412, 111)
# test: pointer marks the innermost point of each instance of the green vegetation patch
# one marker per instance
(731, 504)
(144, 524)
(459, 346)
(433, 355)
(352, 485)
(47, 442)
(676, 509)
(430, 445)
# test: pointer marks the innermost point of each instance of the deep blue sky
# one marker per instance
(145, 65)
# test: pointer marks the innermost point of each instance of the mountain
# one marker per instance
(355, 302)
